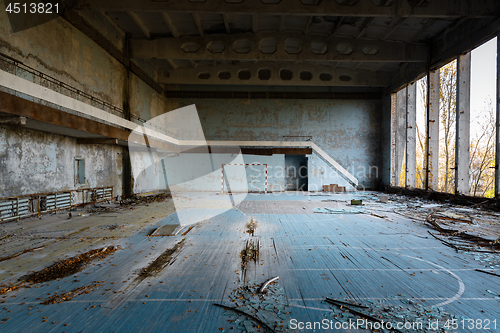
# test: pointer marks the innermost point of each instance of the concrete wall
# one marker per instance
(35, 162)
(43, 162)
(348, 130)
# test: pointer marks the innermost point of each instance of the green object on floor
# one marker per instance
(356, 202)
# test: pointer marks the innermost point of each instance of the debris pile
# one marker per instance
(259, 312)
(461, 236)
(64, 297)
(249, 253)
(411, 315)
(159, 263)
(5, 288)
(138, 199)
(251, 226)
(68, 266)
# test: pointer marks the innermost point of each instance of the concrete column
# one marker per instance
(497, 148)
(400, 133)
(432, 161)
(411, 134)
(463, 125)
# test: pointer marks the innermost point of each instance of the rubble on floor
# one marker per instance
(346, 210)
(270, 307)
(409, 311)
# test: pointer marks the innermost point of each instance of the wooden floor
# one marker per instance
(378, 260)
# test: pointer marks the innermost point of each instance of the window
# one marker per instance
(79, 171)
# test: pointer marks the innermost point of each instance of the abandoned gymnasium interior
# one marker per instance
(250, 166)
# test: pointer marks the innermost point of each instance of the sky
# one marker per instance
(483, 81)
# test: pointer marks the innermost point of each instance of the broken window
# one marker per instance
(447, 124)
(420, 172)
(482, 120)
(79, 171)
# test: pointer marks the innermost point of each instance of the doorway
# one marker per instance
(296, 173)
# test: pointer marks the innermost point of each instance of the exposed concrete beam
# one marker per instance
(497, 147)
(170, 25)
(8, 120)
(463, 125)
(307, 27)
(210, 75)
(336, 26)
(422, 29)
(105, 141)
(461, 39)
(172, 63)
(363, 8)
(401, 97)
(117, 27)
(411, 135)
(171, 48)
(282, 23)
(137, 20)
(432, 140)
(393, 28)
(445, 48)
(363, 27)
(226, 23)
(197, 21)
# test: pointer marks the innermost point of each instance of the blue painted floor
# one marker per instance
(358, 257)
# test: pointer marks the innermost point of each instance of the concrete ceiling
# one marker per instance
(285, 43)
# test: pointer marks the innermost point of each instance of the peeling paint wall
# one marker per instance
(43, 162)
(348, 130)
(58, 49)
(33, 162)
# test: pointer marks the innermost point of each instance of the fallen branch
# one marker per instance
(246, 314)
(479, 204)
(361, 314)
(333, 301)
(443, 241)
(444, 217)
(479, 270)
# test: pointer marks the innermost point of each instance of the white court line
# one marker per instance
(461, 285)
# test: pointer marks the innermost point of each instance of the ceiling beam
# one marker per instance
(255, 23)
(137, 20)
(363, 27)
(336, 26)
(197, 21)
(308, 25)
(422, 30)
(363, 8)
(171, 48)
(282, 23)
(316, 76)
(226, 23)
(110, 20)
(393, 28)
(170, 25)
(172, 63)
